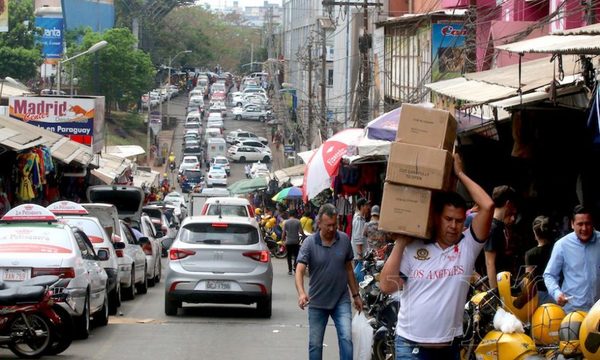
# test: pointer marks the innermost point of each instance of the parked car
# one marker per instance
(140, 273)
(253, 143)
(239, 134)
(189, 162)
(152, 249)
(34, 243)
(247, 153)
(253, 112)
(73, 214)
(216, 176)
(228, 206)
(243, 274)
(221, 161)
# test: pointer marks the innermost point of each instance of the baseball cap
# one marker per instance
(375, 210)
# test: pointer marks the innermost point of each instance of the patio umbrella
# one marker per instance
(289, 193)
(325, 162)
(246, 186)
(385, 126)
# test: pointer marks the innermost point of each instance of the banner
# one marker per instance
(4, 15)
(70, 117)
(52, 36)
(447, 51)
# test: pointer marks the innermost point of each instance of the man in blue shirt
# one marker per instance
(577, 257)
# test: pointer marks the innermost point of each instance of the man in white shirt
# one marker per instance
(359, 240)
(434, 275)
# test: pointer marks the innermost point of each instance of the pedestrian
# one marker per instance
(292, 229)
(328, 254)
(307, 222)
(359, 241)
(434, 274)
(376, 239)
(536, 259)
(571, 276)
(498, 248)
(247, 170)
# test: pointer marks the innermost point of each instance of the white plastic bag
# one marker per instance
(362, 337)
(507, 322)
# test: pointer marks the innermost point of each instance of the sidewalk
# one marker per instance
(165, 141)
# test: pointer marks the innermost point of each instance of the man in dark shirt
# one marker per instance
(292, 229)
(496, 249)
(329, 255)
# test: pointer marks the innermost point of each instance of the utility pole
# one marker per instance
(471, 39)
(323, 82)
(310, 92)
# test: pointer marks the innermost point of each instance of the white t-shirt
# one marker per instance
(435, 289)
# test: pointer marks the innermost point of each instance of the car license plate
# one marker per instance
(15, 274)
(218, 285)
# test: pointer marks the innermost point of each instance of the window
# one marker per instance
(219, 234)
(86, 250)
(330, 77)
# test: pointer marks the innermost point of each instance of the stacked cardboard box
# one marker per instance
(420, 162)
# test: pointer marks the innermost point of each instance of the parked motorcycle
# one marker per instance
(275, 244)
(29, 322)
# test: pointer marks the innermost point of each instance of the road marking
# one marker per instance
(128, 321)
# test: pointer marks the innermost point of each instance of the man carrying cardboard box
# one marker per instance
(435, 274)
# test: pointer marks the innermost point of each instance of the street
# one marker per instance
(143, 331)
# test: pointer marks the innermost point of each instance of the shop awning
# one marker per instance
(111, 167)
(246, 186)
(18, 135)
(294, 174)
(497, 84)
(141, 178)
(580, 41)
(125, 151)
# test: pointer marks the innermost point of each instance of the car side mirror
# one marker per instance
(143, 240)
(119, 245)
(103, 254)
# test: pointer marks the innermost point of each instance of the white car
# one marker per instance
(34, 243)
(197, 100)
(247, 153)
(239, 134)
(253, 143)
(216, 176)
(178, 201)
(189, 162)
(74, 214)
(193, 116)
(214, 116)
(221, 161)
(220, 124)
(197, 92)
(237, 98)
(229, 206)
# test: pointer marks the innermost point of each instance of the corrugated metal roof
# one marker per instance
(557, 44)
(497, 84)
(585, 30)
(18, 135)
(111, 167)
(458, 13)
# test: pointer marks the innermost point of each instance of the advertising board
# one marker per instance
(51, 36)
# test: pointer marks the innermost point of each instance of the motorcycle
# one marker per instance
(172, 166)
(275, 244)
(30, 324)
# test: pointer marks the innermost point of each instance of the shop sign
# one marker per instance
(447, 50)
(67, 208)
(29, 212)
(70, 117)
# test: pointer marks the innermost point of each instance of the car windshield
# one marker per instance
(227, 210)
(193, 176)
(221, 161)
(218, 234)
(190, 161)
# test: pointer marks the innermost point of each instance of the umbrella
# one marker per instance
(246, 186)
(385, 126)
(325, 162)
(289, 193)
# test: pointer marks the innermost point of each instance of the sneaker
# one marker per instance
(289, 273)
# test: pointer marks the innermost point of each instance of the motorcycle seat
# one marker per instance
(21, 294)
(43, 280)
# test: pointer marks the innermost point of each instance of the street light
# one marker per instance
(169, 82)
(97, 46)
(10, 80)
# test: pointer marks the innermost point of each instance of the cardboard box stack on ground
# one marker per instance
(420, 162)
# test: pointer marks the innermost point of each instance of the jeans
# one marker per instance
(292, 252)
(410, 350)
(317, 322)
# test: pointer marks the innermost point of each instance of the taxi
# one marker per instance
(33, 243)
(71, 213)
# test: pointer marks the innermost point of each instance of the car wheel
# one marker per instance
(151, 280)
(101, 317)
(82, 323)
(238, 117)
(129, 292)
(264, 307)
(114, 300)
(143, 287)
(158, 276)
(266, 159)
(242, 159)
(238, 104)
(261, 118)
(171, 306)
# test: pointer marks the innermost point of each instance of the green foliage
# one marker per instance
(20, 56)
(118, 71)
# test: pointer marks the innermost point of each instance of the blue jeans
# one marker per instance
(410, 350)
(317, 322)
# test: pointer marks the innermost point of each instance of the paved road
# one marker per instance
(143, 331)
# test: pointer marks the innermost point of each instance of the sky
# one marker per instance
(242, 3)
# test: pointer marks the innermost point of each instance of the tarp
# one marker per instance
(385, 126)
(111, 167)
(245, 186)
(125, 151)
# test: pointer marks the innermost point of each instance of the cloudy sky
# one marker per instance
(224, 3)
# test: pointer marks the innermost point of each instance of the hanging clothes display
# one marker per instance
(33, 167)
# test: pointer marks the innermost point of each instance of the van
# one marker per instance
(215, 146)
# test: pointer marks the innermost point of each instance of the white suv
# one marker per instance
(247, 153)
(239, 134)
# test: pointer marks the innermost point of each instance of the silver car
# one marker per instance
(221, 260)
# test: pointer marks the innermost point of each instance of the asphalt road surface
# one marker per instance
(143, 331)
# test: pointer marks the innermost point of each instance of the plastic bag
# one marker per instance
(358, 273)
(507, 322)
(362, 337)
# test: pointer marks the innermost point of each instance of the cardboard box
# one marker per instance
(420, 166)
(424, 126)
(406, 210)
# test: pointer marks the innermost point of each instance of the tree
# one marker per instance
(118, 71)
(18, 51)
